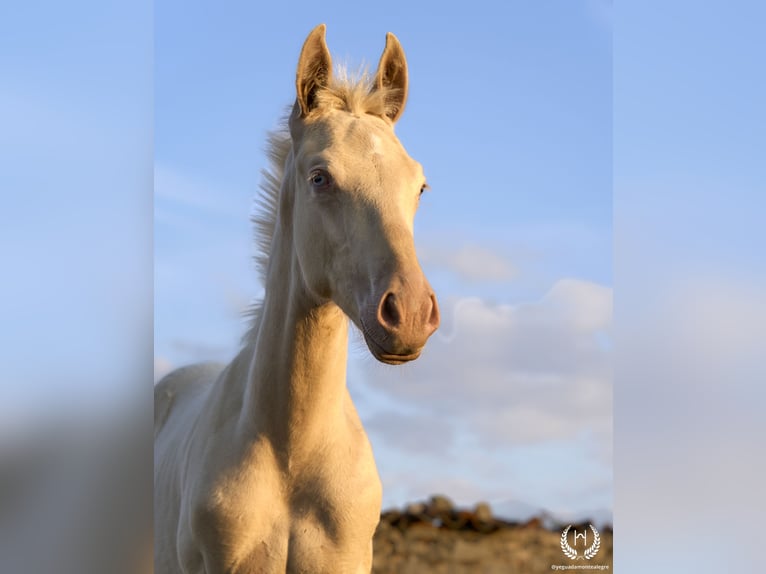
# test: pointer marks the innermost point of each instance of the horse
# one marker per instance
(263, 465)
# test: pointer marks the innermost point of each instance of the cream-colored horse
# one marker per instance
(264, 466)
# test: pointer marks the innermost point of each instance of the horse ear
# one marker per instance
(392, 76)
(314, 69)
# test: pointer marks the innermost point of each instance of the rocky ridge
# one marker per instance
(437, 537)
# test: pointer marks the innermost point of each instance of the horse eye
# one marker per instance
(319, 178)
(424, 187)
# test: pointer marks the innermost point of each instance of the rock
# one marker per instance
(534, 523)
(456, 520)
(439, 506)
(416, 508)
(423, 531)
(483, 512)
(482, 519)
(469, 552)
(390, 516)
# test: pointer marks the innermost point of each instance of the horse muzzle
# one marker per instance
(399, 324)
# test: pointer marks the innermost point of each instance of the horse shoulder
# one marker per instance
(236, 513)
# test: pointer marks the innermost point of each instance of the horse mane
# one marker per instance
(354, 93)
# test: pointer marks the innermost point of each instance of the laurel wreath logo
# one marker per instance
(568, 550)
(592, 550)
(589, 552)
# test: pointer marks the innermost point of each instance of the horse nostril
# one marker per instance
(435, 317)
(389, 312)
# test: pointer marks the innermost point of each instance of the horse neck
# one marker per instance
(296, 386)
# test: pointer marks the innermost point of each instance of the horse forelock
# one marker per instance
(356, 93)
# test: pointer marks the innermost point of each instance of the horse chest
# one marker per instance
(258, 518)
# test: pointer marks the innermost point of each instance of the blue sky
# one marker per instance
(510, 114)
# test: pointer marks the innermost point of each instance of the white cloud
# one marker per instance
(506, 402)
(515, 375)
(413, 434)
(470, 262)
